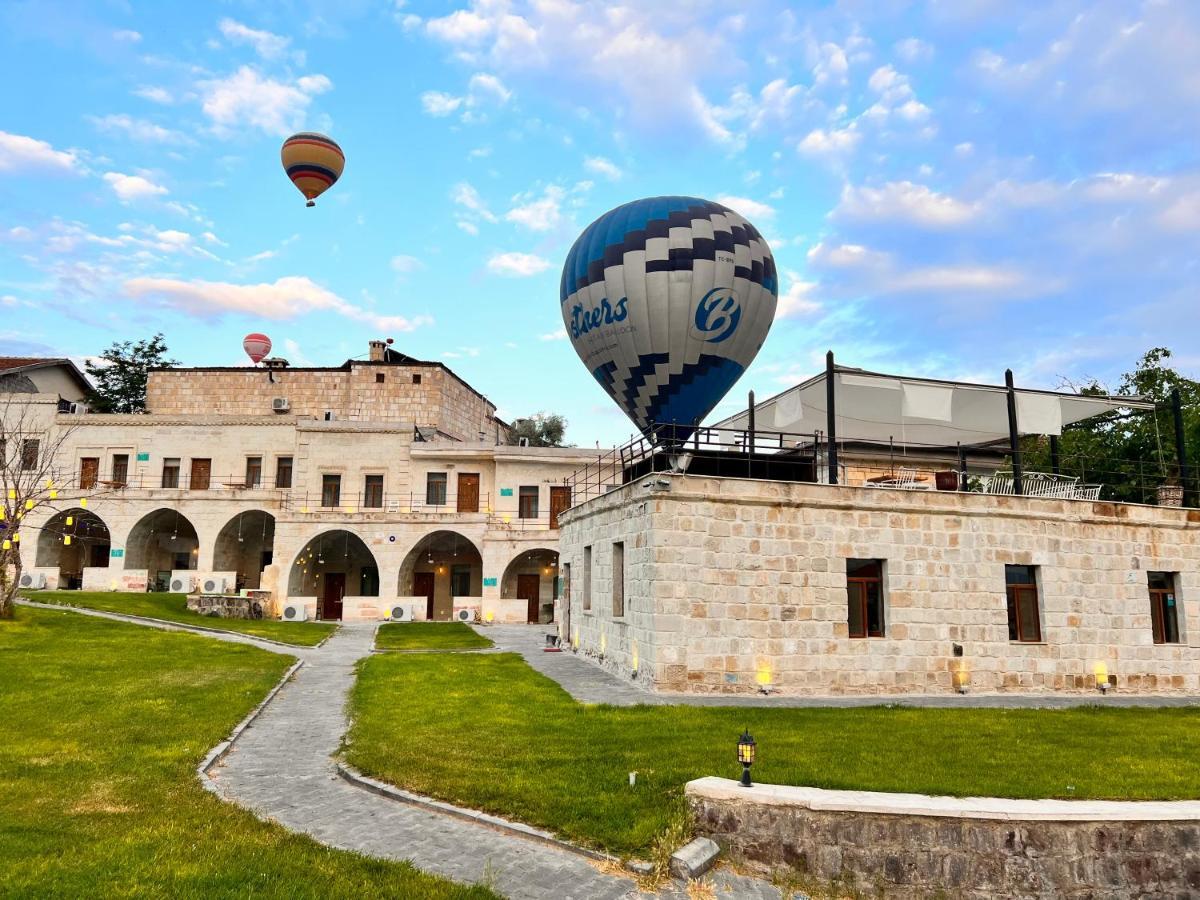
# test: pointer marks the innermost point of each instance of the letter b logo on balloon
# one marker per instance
(717, 315)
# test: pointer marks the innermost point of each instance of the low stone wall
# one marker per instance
(914, 846)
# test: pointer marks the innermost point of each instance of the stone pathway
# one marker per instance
(282, 768)
(587, 682)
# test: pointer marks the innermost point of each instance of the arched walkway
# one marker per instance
(71, 541)
(441, 566)
(532, 576)
(162, 542)
(333, 565)
(246, 546)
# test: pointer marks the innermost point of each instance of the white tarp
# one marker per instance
(879, 408)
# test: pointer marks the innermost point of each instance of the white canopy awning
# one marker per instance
(922, 411)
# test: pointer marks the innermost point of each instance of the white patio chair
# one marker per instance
(998, 483)
(1037, 484)
(1088, 491)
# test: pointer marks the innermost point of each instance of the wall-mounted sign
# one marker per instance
(116, 553)
(143, 457)
(489, 582)
(505, 492)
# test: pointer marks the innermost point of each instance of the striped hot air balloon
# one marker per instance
(313, 161)
(257, 346)
(667, 300)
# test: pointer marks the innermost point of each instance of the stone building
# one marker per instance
(348, 490)
(722, 571)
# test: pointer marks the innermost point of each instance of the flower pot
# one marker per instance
(946, 481)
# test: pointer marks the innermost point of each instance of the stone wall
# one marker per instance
(730, 583)
(961, 856)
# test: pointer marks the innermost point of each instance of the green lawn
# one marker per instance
(173, 607)
(488, 732)
(429, 636)
(103, 726)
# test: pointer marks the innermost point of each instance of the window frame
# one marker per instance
(280, 481)
(618, 579)
(863, 582)
(254, 471)
(120, 469)
(368, 486)
(431, 496)
(1013, 592)
(328, 479)
(528, 494)
(94, 478)
(171, 483)
(1162, 600)
(31, 449)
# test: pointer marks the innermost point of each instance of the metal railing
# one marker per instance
(180, 481)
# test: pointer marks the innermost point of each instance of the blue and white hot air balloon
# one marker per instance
(667, 300)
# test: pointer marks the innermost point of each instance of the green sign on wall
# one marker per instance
(116, 554)
(143, 457)
(505, 492)
(489, 582)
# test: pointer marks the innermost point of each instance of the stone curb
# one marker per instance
(217, 753)
(519, 829)
(167, 624)
(434, 650)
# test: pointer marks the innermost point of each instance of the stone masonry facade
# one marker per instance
(733, 584)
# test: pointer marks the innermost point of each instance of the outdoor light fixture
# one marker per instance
(763, 677)
(962, 678)
(745, 752)
(635, 659)
(489, 617)
(1102, 677)
(66, 540)
(83, 502)
(70, 521)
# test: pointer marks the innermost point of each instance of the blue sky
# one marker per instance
(949, 187)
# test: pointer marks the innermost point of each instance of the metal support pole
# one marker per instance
(831, 415)
(750, 437)
(962, 468)
(1189, 496)
(1014, 447)
(1054, 462)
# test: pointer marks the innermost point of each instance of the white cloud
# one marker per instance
(878, 272)
(155, 94)
(137, 129)
(438, 103)
(473, 207)
(1182, 215)
(469, 227)
(248, 99)
(517, 265)
(482, 84)
(913, 50)
(834, 142)
(406, 265)
(480, 153)
(602, 166)
(903, 201)
(279, 301)
(460, 27)
(559, 335)
(541, 214)
(747, 208)
(133, 187)
(19, 153)
(127, 36)
(797, 300)
(266, 44)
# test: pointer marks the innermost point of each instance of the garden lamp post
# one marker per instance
(745, 753)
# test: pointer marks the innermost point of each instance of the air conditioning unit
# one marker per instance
(34, 581)
(214, 585)
(294, 612)
(183, 584)
(523, 442)
(280, 404)
(464, 615)
(401, 613)
(78, 409)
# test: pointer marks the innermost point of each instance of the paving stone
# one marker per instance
(694, 858)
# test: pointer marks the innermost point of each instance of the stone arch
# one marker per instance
(71, 541)
(163, 541)
(518, 582)
(331, 565)
(246, 545)
(441, 566)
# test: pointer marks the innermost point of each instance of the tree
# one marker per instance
(1133, 452)
(33, 474)
(542, 430)
(121, 379)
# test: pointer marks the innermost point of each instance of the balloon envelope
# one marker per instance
(667, 300)
(257, 346)
(313, 161)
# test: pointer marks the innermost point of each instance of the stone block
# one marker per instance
(694, 858)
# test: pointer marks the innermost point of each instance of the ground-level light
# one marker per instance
(1102, 677)
(745, 754)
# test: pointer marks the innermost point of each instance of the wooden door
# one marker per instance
(201, 474)
(529, 589)
(560, 500)
(331, 599)
(468, 492)
(423, 587)
(89, 472)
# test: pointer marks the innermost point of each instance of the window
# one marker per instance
(253, 471)
(170, 473)
(435, 489)
(1164, 614)
(416, 378)
(527, 506)
(618, 579)
(1024, 615)
(29, 454)
(120, 470)
(379, 378)
(283, 472)
(587, 577)
(89, 472)
(460, 581)
(373, 492)
(329, 417)
(864, 590)
(331, 490)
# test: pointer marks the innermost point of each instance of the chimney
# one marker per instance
(275, 362)
(376, 354)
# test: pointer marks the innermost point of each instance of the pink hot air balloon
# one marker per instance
(256, 346)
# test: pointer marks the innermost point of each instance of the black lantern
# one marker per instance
(745, 750)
